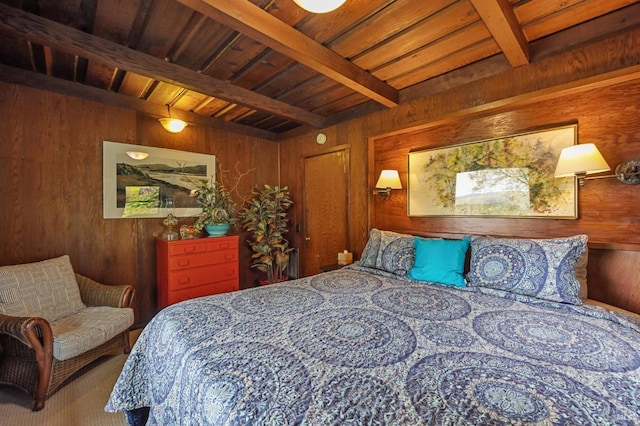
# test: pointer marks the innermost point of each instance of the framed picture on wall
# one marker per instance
(502, 177)
(142, 181)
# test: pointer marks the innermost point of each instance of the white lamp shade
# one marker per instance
(319, 6)
(172, 125)
(578, 159)
(389, 179)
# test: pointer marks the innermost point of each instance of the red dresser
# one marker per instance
(194, 268)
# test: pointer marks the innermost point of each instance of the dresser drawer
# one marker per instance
(202, 259)
(215, 244)
(203, 246)
(194, 268)
(180, 249)
(207, 276)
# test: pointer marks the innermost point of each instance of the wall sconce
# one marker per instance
(388, 180)
(319, 6)
(172, 125)
(582, 160)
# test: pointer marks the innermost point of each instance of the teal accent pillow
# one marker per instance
(440, 261)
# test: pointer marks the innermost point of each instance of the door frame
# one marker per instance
(302, 251)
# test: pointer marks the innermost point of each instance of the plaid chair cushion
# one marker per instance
(46, 289)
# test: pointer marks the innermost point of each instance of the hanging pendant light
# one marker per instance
(319, 6)
(172, 125)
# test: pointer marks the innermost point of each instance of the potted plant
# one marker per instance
(265, 217)
(218, 208)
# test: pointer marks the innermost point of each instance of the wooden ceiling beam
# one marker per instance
(53, 34)
(252, 21)
(88, 11)
(82, 91)
(500, 19)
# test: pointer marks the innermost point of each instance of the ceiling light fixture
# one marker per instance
(319, 6)
(172, 125)
(138, 155)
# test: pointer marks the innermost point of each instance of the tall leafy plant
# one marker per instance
(265, 217)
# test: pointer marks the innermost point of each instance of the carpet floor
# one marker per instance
(79, 402)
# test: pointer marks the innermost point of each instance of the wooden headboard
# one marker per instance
(613, 274)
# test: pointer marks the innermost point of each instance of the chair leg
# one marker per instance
(38, 404)
(44, 377)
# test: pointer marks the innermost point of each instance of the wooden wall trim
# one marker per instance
(599, 245)
(611, 78)
(608, 62)
(613, 277)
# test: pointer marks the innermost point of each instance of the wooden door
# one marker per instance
(326, 218)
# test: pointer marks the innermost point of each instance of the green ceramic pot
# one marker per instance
(218, 229)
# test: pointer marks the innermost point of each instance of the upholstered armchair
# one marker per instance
(53, 322)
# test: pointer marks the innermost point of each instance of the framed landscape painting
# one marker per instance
(142, 181)
(503, 177)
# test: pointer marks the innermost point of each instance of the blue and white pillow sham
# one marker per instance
(389, 251)
(542, 268)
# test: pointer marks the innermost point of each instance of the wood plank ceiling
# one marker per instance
(265, 67)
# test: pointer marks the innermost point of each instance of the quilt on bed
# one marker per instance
(357, 346)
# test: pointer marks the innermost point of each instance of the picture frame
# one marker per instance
(510, 177)
(153, 186)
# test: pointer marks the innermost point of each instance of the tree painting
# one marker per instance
(512, 176)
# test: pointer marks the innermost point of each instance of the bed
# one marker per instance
(384, 341)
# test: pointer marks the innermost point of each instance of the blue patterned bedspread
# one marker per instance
(355, 347)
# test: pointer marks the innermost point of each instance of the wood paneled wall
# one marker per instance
(565, 89)
(607, 213)
(292, 156)
(51, 185)
(607, 209)
(596, 86)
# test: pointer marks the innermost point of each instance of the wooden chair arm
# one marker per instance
(34, 332)
(95, 294)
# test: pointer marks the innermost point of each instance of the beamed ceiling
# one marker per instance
(266, 67)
